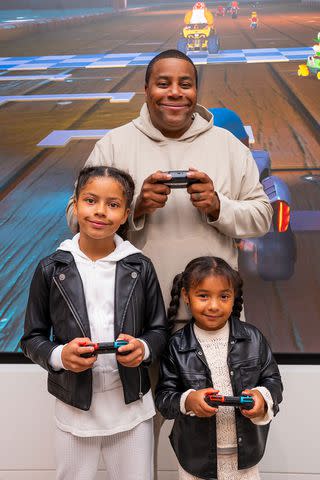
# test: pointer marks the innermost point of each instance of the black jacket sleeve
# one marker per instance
(270, 375)
(36, 343)
(168, 392)
(156, 333)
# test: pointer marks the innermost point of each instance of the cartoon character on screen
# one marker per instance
(199, 15)
(316, 47)
(254, 20)
(312, 67)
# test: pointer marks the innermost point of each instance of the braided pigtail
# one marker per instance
(175, 299)
(238, 301)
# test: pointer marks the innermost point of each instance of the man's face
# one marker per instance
(171, 96)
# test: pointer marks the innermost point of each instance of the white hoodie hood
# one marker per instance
(123, 249)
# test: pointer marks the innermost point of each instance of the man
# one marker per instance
(174, 133)
(172, 226)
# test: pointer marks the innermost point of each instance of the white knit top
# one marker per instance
(215, 348)
(214, 344)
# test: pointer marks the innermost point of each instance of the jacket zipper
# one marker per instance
(126, 308)
(74, 313)
(134, 332)
(140, 385)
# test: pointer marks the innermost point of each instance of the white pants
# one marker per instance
(227, 470)
(127, 455)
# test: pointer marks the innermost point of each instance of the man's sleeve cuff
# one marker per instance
(55, 360)
(216, 222)
(135, 224)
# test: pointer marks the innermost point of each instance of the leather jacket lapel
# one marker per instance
(69, 282)
(126, 280)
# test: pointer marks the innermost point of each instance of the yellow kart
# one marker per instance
(303, 71)
(196, 38)
(312, 67)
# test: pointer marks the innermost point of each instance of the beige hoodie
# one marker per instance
(177, 233)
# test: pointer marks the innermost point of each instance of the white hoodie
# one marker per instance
(108, 413)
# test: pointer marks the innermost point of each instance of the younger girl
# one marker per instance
(216, 351)
(98, 288)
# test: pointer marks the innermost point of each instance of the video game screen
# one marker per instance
(71, 71)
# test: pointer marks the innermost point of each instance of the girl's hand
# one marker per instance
(136, 349)
(196, 403)
(260, 406)
(71, 352)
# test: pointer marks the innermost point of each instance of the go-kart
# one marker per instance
(232, 10)
(221, 11)
(198, 37)
(273, 255)
(312, 67)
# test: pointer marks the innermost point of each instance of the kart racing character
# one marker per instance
(199, 15)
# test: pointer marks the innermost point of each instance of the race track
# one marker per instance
(282, 109)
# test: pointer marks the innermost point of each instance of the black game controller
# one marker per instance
(244, 401)
(105, 347)
(179, 179)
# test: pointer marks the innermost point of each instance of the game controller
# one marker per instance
(244, 401)
(105, 347)
(179, 179)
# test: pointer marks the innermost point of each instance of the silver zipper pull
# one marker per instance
(141, 395)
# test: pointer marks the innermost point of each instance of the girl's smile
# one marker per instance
(211, 302)
(101, 209)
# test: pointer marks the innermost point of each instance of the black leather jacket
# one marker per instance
(56, 314)
(184, 366)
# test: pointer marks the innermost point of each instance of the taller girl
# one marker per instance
(98, 287)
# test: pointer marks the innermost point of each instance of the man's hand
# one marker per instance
(196, 403)
(260, 406)
(71, 352)
(136, 349)
(153, 195)
(203, 195)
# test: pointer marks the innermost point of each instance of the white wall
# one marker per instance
(26, 419)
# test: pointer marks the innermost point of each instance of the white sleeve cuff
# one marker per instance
(55, 360)
(146, 350)
(223, 205)
(138, 223)
(183, 402)
(265, 419)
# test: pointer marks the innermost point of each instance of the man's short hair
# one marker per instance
(169, 54)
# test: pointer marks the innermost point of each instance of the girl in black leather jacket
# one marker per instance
(216, 353)
(98, 288)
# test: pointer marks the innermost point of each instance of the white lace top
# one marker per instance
(215, 348)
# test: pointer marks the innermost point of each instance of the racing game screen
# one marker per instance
(67, 76)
